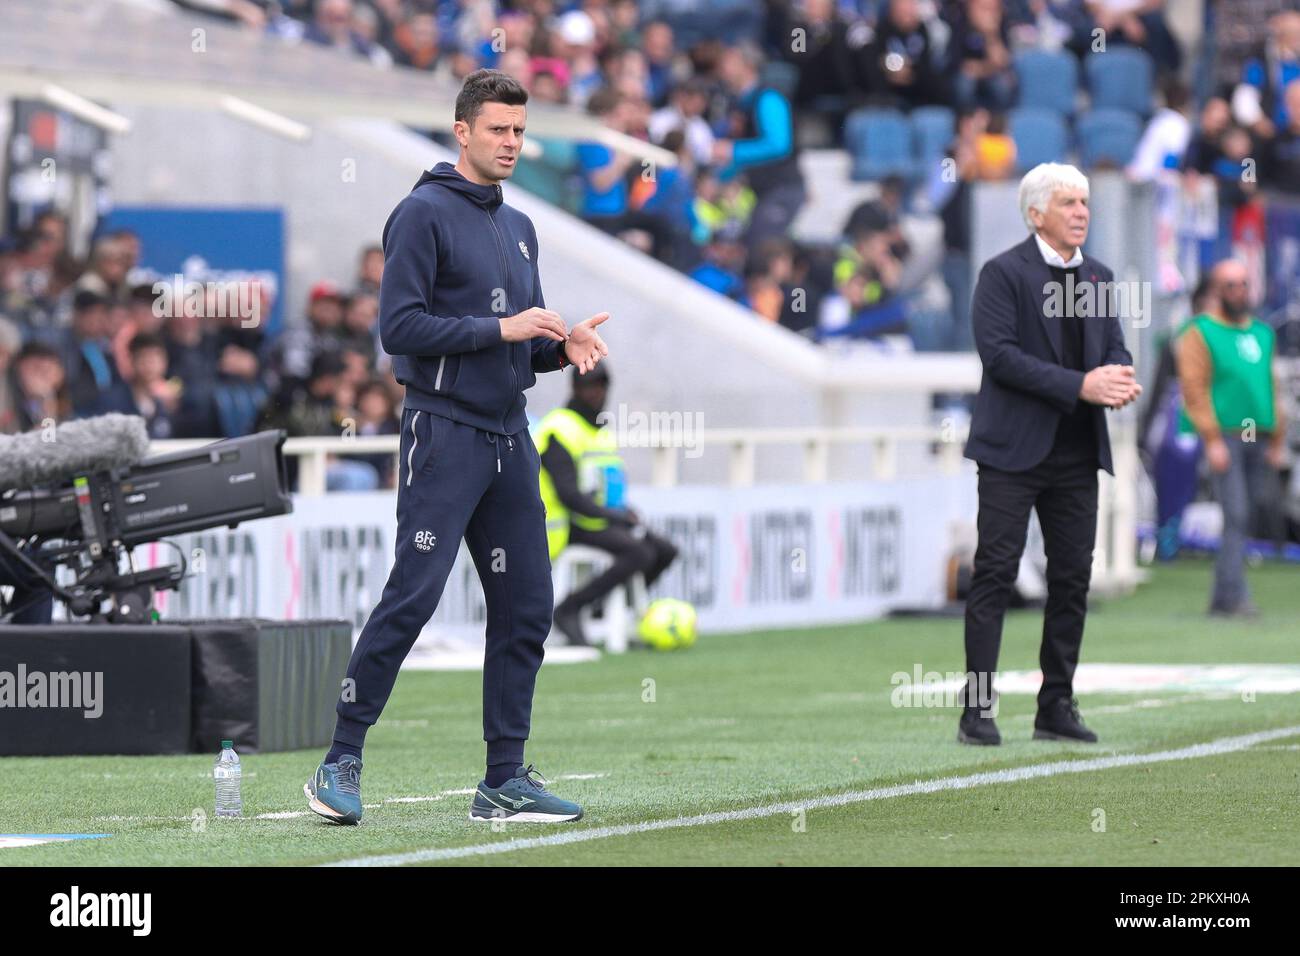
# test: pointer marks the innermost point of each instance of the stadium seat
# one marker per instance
(1107, 136)
(933, 128)
(1048, 81)
(880, 142)
(1120, 79)
(1041, 137)
(576, 564)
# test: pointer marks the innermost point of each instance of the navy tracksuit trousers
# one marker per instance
(456, 481)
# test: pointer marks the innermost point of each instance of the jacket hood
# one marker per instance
(445, 175)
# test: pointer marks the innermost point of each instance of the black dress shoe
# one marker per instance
(1060, 720)
(569, 622)
(976, 730)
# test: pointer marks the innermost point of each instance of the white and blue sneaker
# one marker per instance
(521, 799)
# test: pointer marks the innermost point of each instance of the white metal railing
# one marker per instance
(1115, 560)
(313, 453)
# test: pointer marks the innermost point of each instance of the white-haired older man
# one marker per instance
(1054, 357)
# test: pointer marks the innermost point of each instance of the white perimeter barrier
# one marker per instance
(772, 556)
(752, 555)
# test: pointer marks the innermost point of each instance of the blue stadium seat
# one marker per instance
(1048, 81)
(1041, 137)
(1122, 78)
(880, 142)
(933, 128)
(1108, 136)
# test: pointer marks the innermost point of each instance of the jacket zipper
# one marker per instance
(437, 382)
(505, 287)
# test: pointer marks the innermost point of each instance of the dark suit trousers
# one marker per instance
(1064, 492)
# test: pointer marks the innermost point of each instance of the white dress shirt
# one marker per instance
(1053, 258)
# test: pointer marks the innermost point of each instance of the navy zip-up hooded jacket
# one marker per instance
(457, 260)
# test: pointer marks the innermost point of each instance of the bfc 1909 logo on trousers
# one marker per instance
(425, 540)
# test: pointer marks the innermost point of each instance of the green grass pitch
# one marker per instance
(749, 721)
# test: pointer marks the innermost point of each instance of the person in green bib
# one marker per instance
(583, 485)
(1232, 399)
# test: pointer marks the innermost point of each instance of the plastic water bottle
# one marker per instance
(227, 774)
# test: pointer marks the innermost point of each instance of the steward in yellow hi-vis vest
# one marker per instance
(583, 483)
(597, 466)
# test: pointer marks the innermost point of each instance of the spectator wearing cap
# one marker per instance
(85, 352)
(762, 147)
(574, 41)
(549, 81)
(292, 355)
(146, 391)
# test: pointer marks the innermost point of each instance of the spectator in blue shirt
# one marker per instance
(606, 175)
(762, 146)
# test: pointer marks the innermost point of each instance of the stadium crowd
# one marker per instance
(734, 88)
(80, 339)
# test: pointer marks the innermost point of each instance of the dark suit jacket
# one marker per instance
(1025, 390)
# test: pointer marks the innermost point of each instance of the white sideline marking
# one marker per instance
(1013, 775)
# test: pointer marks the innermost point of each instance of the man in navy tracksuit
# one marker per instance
(462, 314)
